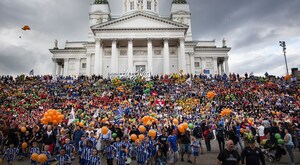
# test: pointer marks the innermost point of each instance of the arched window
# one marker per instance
(131, 5)
(149, 5)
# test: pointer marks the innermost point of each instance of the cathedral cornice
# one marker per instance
(137, 14)
(212, 49)
(68, 50)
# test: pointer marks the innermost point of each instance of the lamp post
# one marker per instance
(282, 44)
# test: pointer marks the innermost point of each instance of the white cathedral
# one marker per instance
(140, 40)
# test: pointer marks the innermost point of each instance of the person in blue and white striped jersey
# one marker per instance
(70, 148)
(63, 158)
(122, 156)
(47, 153)
(95, 159)
(10, 153)
(87, 152)
(34, 149)
(141, 153)
(127, 144)
(109, 152)
(80, 149)
(118, 145)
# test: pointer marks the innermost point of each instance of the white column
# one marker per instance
(77, 66)
(101, 59)
(66, 66)
(54, 68)
(166, 57)
(130, 55)
(88, 64)
(192, 58)
(150, 56)
(58, 69)
(215, 64)
(114, 60)
(182, 55)
(226, 66)
(97, 57)
(203, 65)
(144, 4)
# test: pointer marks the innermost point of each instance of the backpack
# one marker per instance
(210, 136)
(197, 132)
(219, 133)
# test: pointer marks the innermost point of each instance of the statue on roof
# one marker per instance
(224, 43)
(55, 43)
(101, 2)
(179, 1)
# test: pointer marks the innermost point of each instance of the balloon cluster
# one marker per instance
(52, 116)
(210, 95)
(41, 158)
(182, 127)
(279, 139)
(226, 112)
(148, 120)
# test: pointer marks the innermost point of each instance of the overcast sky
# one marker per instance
(252, 28)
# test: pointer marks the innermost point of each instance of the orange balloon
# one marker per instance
(210, 95)
(142, 128)
(175, 121)
(152, 133)
(104, 130)
(54, 122)
(34, 156)
(23, 129)
(181, 128)
(24, 145)
(141, 137)
(185, 125)
(1, 160)
(42, 158)
(133, 137)
(81, 124)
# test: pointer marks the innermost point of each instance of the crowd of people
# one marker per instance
(260, 108)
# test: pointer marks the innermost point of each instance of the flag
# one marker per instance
(189, 81)
(31, 72)
(71, 117)
(206, 71)
(96, 114)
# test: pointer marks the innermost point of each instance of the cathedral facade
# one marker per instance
(140, 40)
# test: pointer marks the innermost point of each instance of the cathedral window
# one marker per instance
(83, 65)
(197, 64)
(131, 5)
(149, 5)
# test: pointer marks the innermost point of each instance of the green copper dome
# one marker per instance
(179, 1)
(101, 2)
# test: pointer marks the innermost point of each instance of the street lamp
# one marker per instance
(282, 44)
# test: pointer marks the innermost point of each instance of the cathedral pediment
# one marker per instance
(140, 20)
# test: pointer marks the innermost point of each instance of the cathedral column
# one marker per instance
(203, 65)
(130, 55)
(192, 58)
(54, 68)
(166, 57)
(182, 55)
(97, 57)
(114, 58)
(215, 64)
(66, 66)
(226, 66)
(150, 55)
(77, 66)
(88, 64)
(58, 69)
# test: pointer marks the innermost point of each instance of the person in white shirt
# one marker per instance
(261, 131)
